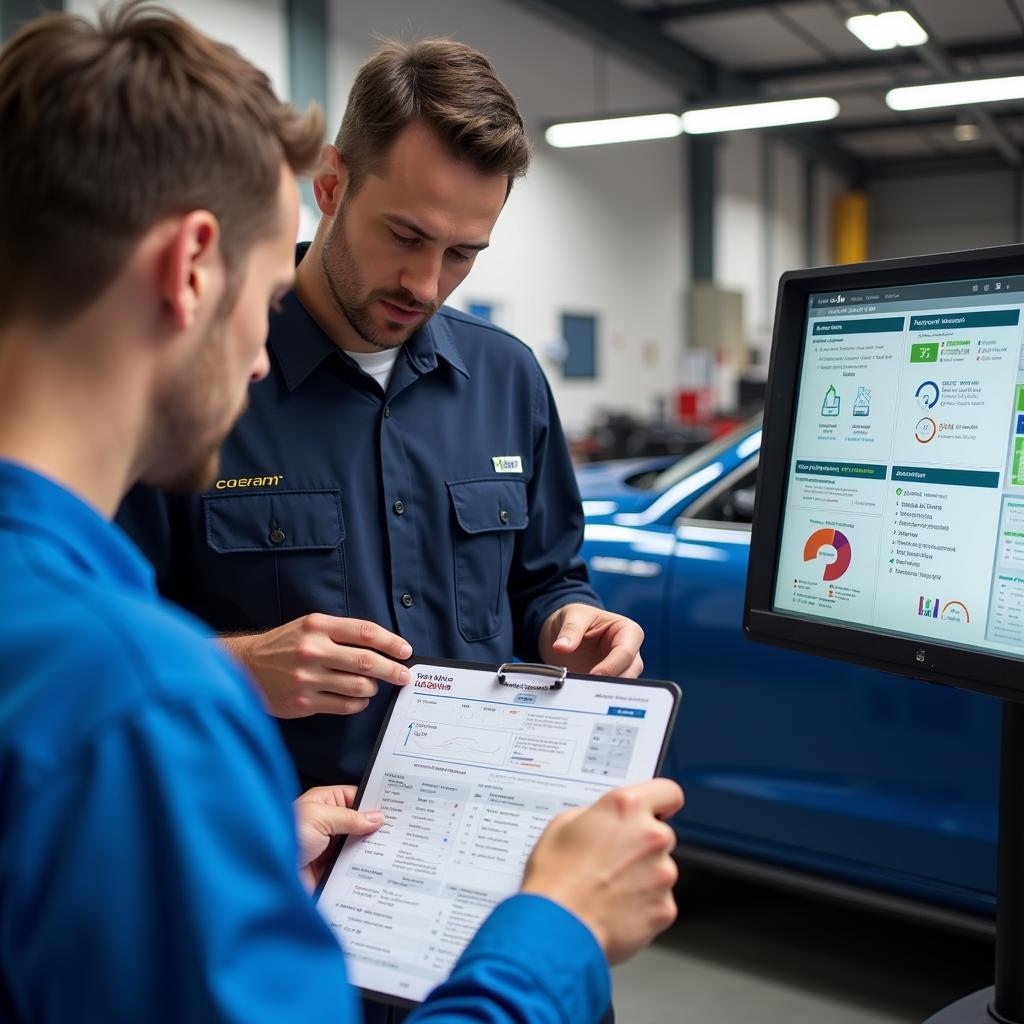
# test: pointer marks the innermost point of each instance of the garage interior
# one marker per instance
(644, 276)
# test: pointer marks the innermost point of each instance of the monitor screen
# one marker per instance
(895, 433)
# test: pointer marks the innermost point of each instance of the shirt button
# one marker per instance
(407, 600)
(277, 535)
(399, 507)
(387, 412)
(503, 515)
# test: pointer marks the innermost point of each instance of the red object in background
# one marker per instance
(722, 425)
(693, 405)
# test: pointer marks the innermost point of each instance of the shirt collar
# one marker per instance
(31, 503)
(436, 338)
(300, 346)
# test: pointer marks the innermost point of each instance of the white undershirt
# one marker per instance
(379, 365)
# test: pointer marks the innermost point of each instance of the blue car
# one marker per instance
(801, 770)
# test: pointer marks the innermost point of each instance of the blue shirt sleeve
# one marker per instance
(531, 962)
(175, 822)
(547, 571)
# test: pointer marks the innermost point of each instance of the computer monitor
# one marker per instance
(889, 527)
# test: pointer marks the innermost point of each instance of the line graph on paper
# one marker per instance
(453, 741)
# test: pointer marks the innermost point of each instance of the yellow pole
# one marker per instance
(850, 227)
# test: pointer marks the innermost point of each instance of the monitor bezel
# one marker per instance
(982, 672)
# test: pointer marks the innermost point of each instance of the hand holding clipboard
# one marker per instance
(623, 842)
(472, 765)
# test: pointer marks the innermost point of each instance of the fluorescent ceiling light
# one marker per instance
(759, 115)
(952, 94)
(888, 30)
(613, 129)
(695, 122)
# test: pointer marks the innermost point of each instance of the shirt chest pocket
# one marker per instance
(487, 517)
(275, 557)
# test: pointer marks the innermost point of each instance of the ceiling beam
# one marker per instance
(623, 31)
(938, 166)
(935, 56)
(816, 145)
(928, 121)
(702, 8)
(896, 60)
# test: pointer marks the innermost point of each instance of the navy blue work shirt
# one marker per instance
(148, 864)
(445, 510)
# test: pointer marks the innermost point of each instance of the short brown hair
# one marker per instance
(108, 129)
(451, 88)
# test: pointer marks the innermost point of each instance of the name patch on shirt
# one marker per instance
(507, 463)
(249, 481)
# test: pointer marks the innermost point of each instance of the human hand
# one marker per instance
(611, 865)
(592, 641)
(321, 664)
(322, 815)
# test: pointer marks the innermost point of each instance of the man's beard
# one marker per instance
(191, 417)
(346, 287)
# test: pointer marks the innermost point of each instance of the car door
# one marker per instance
(816, 764)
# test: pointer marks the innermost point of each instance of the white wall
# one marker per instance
(789, 247)
(760, 223)
(740, 224)
(589, 231)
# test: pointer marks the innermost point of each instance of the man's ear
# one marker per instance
(191, 268)
(330, 180)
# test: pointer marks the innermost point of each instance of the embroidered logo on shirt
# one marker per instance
(507, 463)
(248, 481)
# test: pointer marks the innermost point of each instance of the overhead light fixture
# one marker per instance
(773, 113)
(887, 30)
(966, 130)
(953, 94)
(759, 115)
(614, 129)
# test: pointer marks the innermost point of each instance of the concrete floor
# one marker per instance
(741, 953)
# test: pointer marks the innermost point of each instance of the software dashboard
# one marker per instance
(904, 507)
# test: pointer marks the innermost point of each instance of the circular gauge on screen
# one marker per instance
(925, 430)
(927, 394)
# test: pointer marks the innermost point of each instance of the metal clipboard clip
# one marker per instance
(553, 672)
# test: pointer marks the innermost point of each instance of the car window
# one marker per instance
(733, 503)
(691, 463)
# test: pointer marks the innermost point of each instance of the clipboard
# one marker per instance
(471, 763)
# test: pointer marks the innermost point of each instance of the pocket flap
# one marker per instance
(484, 505)
(278, 521)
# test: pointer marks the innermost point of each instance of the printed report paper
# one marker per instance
(468, 773)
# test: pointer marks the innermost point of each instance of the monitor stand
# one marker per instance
(1005, 1002)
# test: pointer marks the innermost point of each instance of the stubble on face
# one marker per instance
(355, 303)
(195, 411)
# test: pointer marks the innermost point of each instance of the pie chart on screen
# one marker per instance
(822, 543)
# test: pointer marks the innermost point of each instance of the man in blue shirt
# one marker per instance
(403, 463)
(148, 858)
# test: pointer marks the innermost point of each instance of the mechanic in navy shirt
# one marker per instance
(148, 856)
(403, 464)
